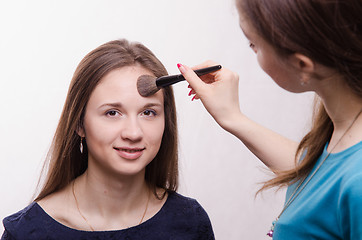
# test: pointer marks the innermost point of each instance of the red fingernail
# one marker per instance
(190, 92)
(179, 65)
(193, 98)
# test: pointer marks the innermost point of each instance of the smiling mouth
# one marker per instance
(130, 153)
(130, 150)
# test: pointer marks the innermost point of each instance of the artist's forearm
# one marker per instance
(275, 151)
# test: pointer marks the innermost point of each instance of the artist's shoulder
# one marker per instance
(350, 163)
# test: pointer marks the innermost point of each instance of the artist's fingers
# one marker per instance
(210, 77)
(192, 92)
(196, 97)
(205, 64)
(196, 83)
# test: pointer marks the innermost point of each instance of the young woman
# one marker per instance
(113, 166)
(304, 46)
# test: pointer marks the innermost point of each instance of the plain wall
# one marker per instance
(43, 41)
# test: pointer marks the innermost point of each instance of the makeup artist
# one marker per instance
(308, 45)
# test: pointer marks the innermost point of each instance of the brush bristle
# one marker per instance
(146, 85)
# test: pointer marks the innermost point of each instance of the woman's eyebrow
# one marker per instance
(153, 105)
(113, 105)
(119, 105)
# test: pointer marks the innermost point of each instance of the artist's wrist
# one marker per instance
(231, 122)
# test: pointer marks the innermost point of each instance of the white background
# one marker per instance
(41, 44)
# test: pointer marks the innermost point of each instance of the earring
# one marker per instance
(304, 80)
(81, 145)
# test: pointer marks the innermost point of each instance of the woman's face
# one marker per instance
(123, 130)
(277, 68)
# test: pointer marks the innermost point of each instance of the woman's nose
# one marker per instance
(132, 130)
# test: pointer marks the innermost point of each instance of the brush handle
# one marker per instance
(165, 81)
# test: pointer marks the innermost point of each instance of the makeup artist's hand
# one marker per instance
(218, 91)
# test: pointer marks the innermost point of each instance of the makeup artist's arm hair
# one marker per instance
(218, 92)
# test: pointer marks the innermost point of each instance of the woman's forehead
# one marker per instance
(120, 85)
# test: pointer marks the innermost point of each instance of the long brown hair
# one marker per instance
(330, 33)
(65, 162)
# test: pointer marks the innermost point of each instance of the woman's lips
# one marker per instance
(130, 153)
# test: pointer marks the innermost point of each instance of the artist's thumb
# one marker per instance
(195, 82)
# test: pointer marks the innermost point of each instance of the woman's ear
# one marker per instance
(80, 130)
(304, 65)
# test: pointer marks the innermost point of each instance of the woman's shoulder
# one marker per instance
(188, 211)
(350, 169)
(57, 204)
(23, 215)
(350, 160)
(40, 217)
(178, 201)
(180, 218)
(19, 225)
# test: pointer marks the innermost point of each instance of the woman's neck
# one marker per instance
(110, 198)
(342, 106)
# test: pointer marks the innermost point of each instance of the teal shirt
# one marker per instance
(330, 206)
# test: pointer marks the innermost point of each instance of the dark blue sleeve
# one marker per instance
(205, 230)
(7, 236)
(182, 218)
(23, 224)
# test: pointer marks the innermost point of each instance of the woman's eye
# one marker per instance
(112, 113)
(149, 113)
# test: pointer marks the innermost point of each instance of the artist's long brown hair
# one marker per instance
(65, 162)
(330, 33)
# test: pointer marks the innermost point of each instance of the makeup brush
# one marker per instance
(148, 85)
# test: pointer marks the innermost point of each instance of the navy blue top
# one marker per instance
(179, 218)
